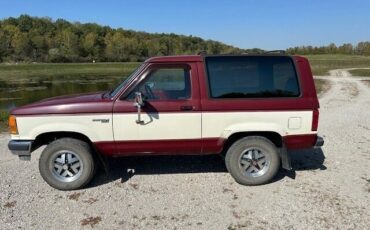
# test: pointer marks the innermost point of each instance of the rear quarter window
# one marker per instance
(252, 77)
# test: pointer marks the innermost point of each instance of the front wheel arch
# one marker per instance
(47, 138)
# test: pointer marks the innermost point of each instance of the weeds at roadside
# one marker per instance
(119, 184)
(74, 196)
(367, 82)
(4, 116)
(134, 186)
(322, 86)
(3, 120)
(225, 190)
(92, 221)
(91, 200)
(236, 226)
(155, 217)
(153, 190)
(236, 215)
(10, 204)
(368, 183)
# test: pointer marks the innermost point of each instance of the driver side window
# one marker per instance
(166, 84)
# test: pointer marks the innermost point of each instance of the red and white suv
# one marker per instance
(250, 108)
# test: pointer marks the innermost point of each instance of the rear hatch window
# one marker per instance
(252, 77)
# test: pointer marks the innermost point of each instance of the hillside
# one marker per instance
(33, 39)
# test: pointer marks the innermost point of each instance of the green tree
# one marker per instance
(5, 44)
(88, 44)
(25, 23)
(68, 44)
(363, 48)
(39, 47)
(345, 49)
(21, 45)
(115, 48)
(41, 39)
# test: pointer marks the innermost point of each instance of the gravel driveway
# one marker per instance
(330, 187)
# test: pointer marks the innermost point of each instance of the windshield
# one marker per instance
(124, 83)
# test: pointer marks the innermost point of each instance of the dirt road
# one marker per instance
(330, 187)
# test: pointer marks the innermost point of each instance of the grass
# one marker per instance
(3, 120)
(321, 86)
(360, 72)
(321, 64)
(367, 82)
(63, 69)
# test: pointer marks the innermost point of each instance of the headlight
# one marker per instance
(12, 125)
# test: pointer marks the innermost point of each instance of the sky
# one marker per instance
(266, 24)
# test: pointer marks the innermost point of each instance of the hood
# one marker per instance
(71, 104)
(75, 98)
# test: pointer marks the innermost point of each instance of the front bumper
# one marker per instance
(319, 141)
(21, 148)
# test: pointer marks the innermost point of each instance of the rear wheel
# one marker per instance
(67, 164)
(252, 160)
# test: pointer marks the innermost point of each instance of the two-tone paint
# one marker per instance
(198, 125)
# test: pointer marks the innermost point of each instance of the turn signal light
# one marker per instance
(13, 129)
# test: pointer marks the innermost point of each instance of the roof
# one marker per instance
(199, 58)
(178, 58)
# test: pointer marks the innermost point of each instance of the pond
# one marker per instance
(17, 92)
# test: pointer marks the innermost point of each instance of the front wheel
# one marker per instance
(252, 160)
(67, 164)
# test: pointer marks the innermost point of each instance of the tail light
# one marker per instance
(315, 120)
(13, 129)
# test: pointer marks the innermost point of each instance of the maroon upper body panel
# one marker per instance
(97, 103)
(306, 101)
(307, 82)
(72, 104)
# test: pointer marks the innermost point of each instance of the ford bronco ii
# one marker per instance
(251, 109)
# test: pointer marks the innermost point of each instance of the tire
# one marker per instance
(245, 163)
(78, 161)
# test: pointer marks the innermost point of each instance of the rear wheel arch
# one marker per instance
(274, 137)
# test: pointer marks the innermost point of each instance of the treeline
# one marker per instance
(362, 48)
(34, 39)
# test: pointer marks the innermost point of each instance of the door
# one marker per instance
(171, 118)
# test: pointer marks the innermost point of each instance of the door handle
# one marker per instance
(187, 108)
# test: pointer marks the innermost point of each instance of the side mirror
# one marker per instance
(139, 99)
(139, 103)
